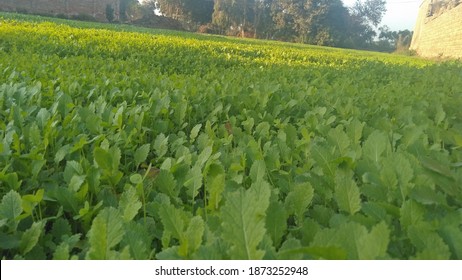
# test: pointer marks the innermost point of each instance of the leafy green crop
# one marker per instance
(125, 143)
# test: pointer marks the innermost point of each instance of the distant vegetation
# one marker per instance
(318, 22)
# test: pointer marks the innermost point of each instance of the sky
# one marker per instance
(400, 15)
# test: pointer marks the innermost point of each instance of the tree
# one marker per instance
(364, 17)
(124, 8)
(327, 22)
(199, 11)
(321, 22)
(170, 8)
(147, 9)
(283, 15)
(109, 13)
(404, 40)
(187, 11)
(370, 11)
(394, 40)
(263, 22)
(236, 16)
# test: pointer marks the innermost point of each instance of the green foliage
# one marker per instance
(129, 204)
(30, 237)
(355, 240)
(109, 13)
(298, 200)
(191, 147)
(141, 154)
(105, 233)
(347, 194)
(243, 218)
(10, 209)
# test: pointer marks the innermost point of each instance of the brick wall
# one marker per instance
(94, 8)
(438, 33)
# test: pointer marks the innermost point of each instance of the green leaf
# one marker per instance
(138, 240)
(346, 237)
(42, 117)
(412, 134)
(35, 198)
(258, 171)
(388, 178)
(429, 244)
(141, 154)
(276, 222)
(437, 167)
(129, 204)
(427, 196)
(61, 252)
(172, 220)
(404, 172)
(411, 213)
(396, 175)
(79, 144)
(215, 185)
(76, 182)
(11, 208)
(262, 129)
(161, 145)
(195, 132)
(374, 210)
(439, 251)
(165, 183)
(30, 237)
(324, 159)
(8, 241)
(192, 237)
(374, 245)
(61, 227)
(355, 130)
(170, 253)
(213, 250)
(29, 201)
(243, 217)
(452, 236)
(298, 200)
(105, 233)
(194, 183)
(440, 114)
(347, 193)
(36, 166)
(339, 140)
(136, 179)
(115, 158)
(291, 245)
(354, 239)
(72, 168)
(248, 124)
(102, 158)
(375, 146)
(11, 180)
(66, 198)
(204, 156)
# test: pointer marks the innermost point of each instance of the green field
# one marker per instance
(119, 142)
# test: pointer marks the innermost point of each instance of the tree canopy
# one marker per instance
(321, 22)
